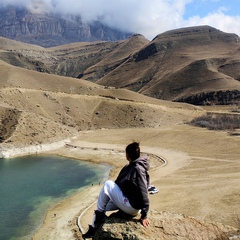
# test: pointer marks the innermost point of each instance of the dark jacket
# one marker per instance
(133, 180)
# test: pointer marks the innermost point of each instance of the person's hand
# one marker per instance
(145, 222)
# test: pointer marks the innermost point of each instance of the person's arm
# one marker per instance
(142, 184)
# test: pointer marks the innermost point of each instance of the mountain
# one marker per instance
(72, 60)
(48, 29)
(198, 65)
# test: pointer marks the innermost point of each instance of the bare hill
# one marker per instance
(94, 59)
(183, 65)
(8, 44)
(38, 108)
(198, 65)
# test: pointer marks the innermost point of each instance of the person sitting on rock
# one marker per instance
(129, 192)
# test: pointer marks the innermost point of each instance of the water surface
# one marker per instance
(30, 185)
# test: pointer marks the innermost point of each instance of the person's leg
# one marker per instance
(112, 198)
(111, 206)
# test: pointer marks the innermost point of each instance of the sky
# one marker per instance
(146, 17)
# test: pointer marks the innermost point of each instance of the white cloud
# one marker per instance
(148, 17)
(230, 24)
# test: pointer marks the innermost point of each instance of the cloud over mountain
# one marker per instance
(146, 17)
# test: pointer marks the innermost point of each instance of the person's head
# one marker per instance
(132, 151)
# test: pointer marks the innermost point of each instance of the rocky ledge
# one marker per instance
(165, 226)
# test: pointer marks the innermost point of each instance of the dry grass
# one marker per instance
(218, 121)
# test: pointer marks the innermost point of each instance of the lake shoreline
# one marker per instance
(10, 150)
(63, 225)
(196, 174)
(60, 220)
(35, 182)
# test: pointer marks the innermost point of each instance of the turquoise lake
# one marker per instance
(30, 185)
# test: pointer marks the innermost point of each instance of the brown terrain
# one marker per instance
(38, 105)
(182, 63)
(198, 65)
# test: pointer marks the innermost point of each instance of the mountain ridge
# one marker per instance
(199, 65)
(175, 65)
(48, 29)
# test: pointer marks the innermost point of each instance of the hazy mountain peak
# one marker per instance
(36, 25)
(38, 6)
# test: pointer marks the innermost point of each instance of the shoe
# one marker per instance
(100, 218)
(152, 189)
(90, 233)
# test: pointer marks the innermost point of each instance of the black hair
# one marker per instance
(133, 150)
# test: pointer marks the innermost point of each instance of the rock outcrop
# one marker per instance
(164, 226)
(48, 29)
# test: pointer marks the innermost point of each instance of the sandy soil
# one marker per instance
(201, 177)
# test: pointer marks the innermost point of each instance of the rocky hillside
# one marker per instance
(48, 30)
(197, 65)
(37, 108)
(72, 60)
(164, 225)
(183, 64)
